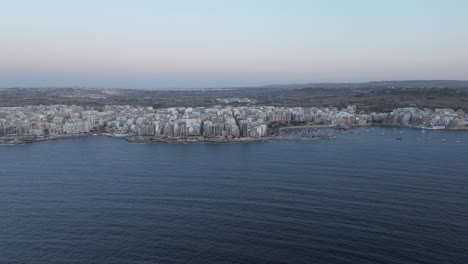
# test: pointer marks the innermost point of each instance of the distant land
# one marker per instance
(381, 96)
(382, 84)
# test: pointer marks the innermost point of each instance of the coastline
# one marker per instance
(20, 140)
(220, 141)
(155, 140)
(34, 139)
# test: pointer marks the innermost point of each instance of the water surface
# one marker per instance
(364, 197)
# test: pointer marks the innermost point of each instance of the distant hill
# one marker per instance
(381, 96)
(380, 84)
(356, 85)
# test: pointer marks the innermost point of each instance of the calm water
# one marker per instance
(364, 197)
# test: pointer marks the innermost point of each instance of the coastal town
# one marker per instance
(209, 124)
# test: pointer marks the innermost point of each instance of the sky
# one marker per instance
(214, 43)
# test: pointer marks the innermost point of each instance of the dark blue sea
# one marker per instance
(364, 197)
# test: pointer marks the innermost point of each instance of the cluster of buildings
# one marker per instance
(206, 122)
(427, 118)
(236, 100)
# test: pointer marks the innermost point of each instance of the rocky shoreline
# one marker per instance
(33, 139)
(150, 139)
(220, 141)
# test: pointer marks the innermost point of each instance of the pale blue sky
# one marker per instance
(208, 43)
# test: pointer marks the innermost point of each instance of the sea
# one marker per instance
(371, 195)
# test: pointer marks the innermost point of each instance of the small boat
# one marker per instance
(399, 138)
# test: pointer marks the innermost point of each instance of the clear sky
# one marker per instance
(213, 43)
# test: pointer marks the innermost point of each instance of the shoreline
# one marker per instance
(145, 140)
(20, 140)
(152, 139)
